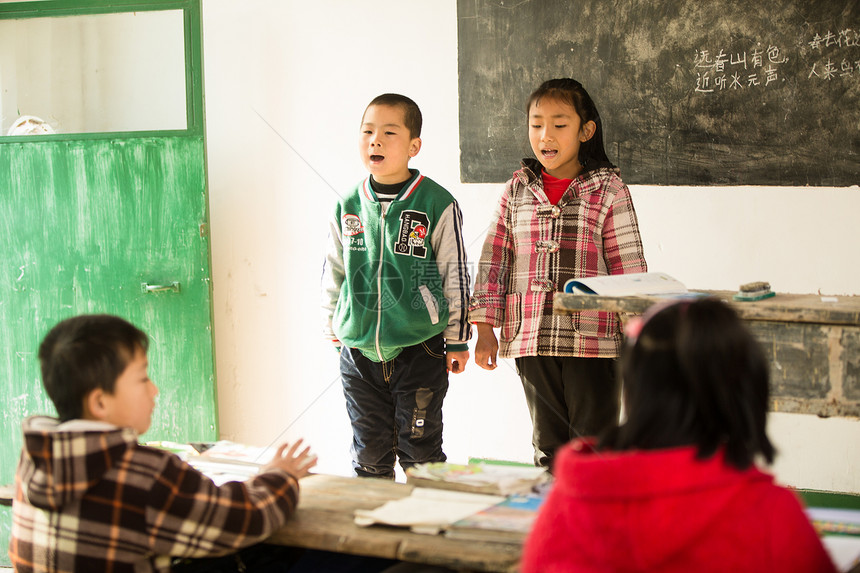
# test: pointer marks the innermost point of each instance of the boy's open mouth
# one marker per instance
(377, 158)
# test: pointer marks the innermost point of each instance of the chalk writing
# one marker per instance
(847, 38)
(839, 54)
(835, 55)
(751, 68)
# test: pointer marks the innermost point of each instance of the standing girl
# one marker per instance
(564, 215)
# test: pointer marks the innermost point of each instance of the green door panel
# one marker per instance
(84, 224)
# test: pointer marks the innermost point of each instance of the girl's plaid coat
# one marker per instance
(534, 247)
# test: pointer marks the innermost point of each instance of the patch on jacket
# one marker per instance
(413, 234)
(351, 225)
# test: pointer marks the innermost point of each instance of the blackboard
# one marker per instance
(691, 92)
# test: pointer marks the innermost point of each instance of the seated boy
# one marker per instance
(90, 498)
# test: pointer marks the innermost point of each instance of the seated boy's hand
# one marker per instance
(286, 458)
(457, 361)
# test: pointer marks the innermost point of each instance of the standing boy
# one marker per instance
(396, 291)
(89, 498)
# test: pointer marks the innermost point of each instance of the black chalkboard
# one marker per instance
(691, 92)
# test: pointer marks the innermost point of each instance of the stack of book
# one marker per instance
(475, 501)
(836, 518)
(507, 521)
(488, 478)
(507, 518)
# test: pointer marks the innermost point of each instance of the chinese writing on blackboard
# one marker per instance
(753, 68)
(839, 54)
(830, 56)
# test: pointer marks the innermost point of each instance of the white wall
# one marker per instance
(286, 84)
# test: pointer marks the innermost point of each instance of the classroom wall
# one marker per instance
(286, 84)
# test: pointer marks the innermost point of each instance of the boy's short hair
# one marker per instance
(83, 353)
(411, 112)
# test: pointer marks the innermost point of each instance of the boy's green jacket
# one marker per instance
(396, 273)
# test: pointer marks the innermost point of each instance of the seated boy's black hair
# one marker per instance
(694, 375)
(592, 153)
(411, 112)
(83, 353)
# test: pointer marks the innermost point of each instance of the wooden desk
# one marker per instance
(324, 520)
(813, 345)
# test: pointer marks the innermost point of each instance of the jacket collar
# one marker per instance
(530, 169)
(408, 188)
(529, 172)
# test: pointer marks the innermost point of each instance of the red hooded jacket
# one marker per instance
(664, 510)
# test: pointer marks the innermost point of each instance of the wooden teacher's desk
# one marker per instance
(811, 341)
(324, 520)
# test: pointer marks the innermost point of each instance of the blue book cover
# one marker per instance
(509, 519)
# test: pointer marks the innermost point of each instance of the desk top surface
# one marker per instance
(324, 520)
(810, 308)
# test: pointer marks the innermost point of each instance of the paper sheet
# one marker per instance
(427, 510)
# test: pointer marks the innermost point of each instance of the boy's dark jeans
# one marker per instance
(395, 407)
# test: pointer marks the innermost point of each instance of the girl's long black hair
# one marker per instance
(591, 153)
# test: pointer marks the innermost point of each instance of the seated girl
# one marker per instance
(675, 487)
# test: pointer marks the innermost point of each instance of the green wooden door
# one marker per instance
(109, 223)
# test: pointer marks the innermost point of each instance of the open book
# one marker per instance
(633, 284)
(225, 461)
(220, 461)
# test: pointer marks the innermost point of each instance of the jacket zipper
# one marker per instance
(379, 281)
